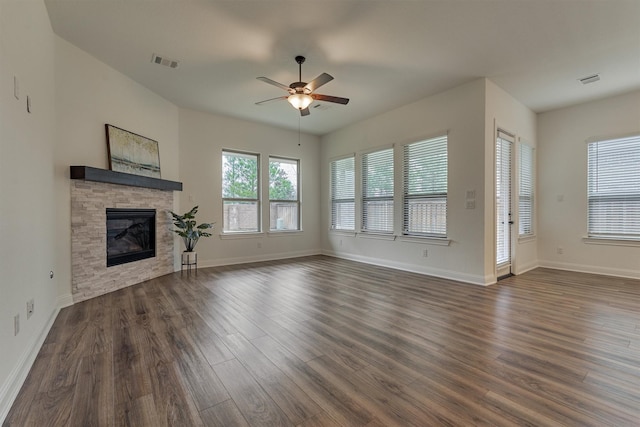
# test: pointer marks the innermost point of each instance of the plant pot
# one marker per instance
(189, 243)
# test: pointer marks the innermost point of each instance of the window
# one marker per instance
(425, 188)
(613, 188)
(526, 190)
(377, 191)
(284, 197)
(240, 192)
(343, 194)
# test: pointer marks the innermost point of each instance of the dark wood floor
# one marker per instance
(323, 342)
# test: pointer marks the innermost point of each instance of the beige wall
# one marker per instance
(202, 139)
(88, 95)
(74, 95)
(470, 113)
(506, 113)
(562, 165)
(27, 198)
(460, 112)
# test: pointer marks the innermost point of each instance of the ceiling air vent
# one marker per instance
(171, 63)
(589, 79)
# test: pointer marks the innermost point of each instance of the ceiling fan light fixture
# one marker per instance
(300, 101)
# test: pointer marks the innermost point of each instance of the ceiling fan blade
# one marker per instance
(305, 112)
(272, 99)
(273, 82)
(322, 79)
(329, 98)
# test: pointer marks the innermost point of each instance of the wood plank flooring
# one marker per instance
(319, 341)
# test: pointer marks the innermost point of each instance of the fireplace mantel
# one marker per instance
(89, 173)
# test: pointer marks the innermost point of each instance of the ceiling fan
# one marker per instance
(300, 93)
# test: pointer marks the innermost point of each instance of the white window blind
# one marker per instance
(504, 144)
(425, 187)
(526, 191)
(613, 188)
(343, 194)
(377, 191)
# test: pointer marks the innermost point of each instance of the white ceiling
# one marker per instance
(382, 54)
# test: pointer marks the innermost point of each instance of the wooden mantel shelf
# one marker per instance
(88, 173)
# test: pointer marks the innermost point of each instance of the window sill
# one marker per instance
(437, 241)
(282, 233)
(611, 241)
(377, 236)
(343, 233)
(527, 239)
(241, 235)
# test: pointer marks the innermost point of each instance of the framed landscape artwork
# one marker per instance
(132, 153)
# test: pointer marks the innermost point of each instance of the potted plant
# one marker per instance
(188, 230)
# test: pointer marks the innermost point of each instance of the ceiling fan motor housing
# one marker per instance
(299, 87)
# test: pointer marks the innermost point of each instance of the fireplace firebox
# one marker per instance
(131, 235)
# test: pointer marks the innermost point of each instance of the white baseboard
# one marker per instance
(429, 271)
(18, 375)
(523, 268)
(64, 301)
(593, 269)
(258, 258)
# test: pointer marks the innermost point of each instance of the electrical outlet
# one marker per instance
(16, 324)
(340, 242)
(560, 250)
(259, 245)
(30, 306)
(425, 253)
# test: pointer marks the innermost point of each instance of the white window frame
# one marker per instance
(526, 190)
(256, 200)
(335, 202)
(296, 200)
(613, 193)
(409, 195)
(365, 199)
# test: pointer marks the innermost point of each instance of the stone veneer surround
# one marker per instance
(90, 276)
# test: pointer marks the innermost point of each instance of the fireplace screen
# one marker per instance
(131, 235)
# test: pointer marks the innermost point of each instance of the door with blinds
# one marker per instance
(504, 205)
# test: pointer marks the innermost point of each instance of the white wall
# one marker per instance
(202, 138)
(505, 112)
(88, 95)
(460, 111)
(27, 200)
(562, 166)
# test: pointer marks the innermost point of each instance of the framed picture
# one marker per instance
(132, 153)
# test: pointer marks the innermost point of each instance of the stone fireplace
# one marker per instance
(90, 202)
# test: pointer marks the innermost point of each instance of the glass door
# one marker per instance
(504, 220)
